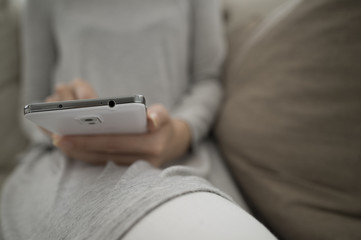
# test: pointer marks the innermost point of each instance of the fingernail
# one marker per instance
(153, 117)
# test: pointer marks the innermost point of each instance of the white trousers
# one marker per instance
(199, 216)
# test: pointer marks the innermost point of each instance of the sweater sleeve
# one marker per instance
(38, 59)
(207, 49)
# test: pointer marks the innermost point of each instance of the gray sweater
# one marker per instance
(168, 50)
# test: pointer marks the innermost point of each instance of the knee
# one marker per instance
(199, 216)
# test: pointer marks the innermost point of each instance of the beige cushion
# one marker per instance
(12, 140)
(246, 13)
(291, 124)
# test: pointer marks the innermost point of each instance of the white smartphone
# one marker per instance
(122, 115)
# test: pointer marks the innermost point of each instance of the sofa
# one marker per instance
(289, 128)
(13, 141)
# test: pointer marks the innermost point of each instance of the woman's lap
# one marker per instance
(51, 192)
(200, 215)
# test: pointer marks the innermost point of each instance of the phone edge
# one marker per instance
(63, 105)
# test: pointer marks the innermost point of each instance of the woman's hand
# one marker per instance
(166, 139)
(78, 89)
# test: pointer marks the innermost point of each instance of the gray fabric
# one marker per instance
(105, 204)
(290, 127)
(169, 51)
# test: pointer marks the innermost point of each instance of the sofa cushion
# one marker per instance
(247, 13)
(290, 127)
(12, 140)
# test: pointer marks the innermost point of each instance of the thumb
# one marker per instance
(83, 90)
(157, 116)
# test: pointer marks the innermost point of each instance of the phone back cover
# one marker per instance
(122, 118)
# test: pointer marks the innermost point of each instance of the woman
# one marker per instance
(169, 51)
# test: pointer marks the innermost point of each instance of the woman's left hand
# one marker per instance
(167, 138)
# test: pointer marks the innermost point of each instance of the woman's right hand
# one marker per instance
(77, 89)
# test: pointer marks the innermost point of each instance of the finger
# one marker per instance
(157, 116)
(99, 158)
(64, 92)
(83, 90)
(122, 144)
(78, 155)
(52, 98)
(88, 157)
